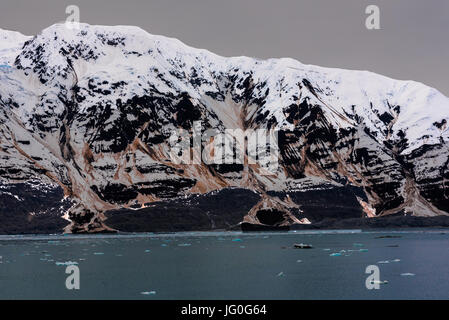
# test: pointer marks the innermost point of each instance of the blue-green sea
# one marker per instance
(228, 265)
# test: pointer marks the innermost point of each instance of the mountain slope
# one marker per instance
(92, 111)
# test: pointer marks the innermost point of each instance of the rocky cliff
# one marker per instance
(86, 118)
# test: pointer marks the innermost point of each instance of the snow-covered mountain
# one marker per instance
(89, 112)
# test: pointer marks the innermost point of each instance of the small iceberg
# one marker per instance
(147, 293)
(98, 253)
(67, 263)
(147, 250)
(407, 274)
(383, 262)
(235, 240)
(184, 245)
(280, 274)
(336, 254)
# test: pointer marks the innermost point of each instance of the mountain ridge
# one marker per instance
(102, 102)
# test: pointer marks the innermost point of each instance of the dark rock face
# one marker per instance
(394, 221)
(432, 182)
(32, 208)
(220, 210)
(271, 217)
(331, 202)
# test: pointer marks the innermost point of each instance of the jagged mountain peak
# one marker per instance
(121, 52)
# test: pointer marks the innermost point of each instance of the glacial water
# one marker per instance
(225, 265)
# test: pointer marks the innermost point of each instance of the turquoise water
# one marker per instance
(225, 265)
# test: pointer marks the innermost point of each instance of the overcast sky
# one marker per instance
(413, 42)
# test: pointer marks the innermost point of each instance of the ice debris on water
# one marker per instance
(383, 262)
(407, 274)
(147, 293)
(357, 244)
(147, 250)
(335, 254)
(280, 274)
(184, 245)
(235, 240)
(98, 253)
(66, 263)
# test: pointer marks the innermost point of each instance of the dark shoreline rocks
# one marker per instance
(378, 223)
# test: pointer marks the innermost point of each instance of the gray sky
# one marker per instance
(413, 43)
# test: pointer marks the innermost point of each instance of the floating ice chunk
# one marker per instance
(383, 262)
(357, 244)
(163, 245)
(363, 250)
(379, 281)
(98, 253)
(184, 245)
(407, 274)
(298, 261)
(66, 263)
(327, 249)
(336, 254)
(148, 250)
(235, 240)
(280, 274)
(396, 260)
(147, 293)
